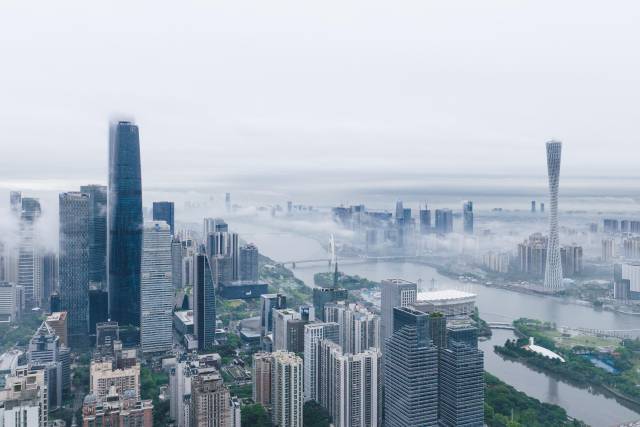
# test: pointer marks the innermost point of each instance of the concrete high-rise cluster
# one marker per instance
(358, 328)
(313, 334)
(553, 270)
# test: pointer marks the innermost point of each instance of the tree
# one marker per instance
(315, 415)
(254, 415)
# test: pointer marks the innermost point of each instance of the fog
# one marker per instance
(248, 94)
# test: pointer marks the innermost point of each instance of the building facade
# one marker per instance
(553, 270)
(156, 289)
(287, 399)
(124, 224)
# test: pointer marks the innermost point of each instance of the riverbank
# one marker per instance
(590, 362)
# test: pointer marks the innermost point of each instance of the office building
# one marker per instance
(444, 221)
(117, 409)
(461, 388)
(533, 206)
(359, 329)
(46, 353)
(9, 302)
(322, 296)
(58, 322)
(74, 262)
(313, 334)
(164, 211)
(249, 262)
(395, 293)
(287, 398)
(210, 399)
(243, 289)
(29, 272)
(156, 289)
(23, 402)
(410, 400)
(98, 307)
(204, 303)
(49, 276)
(261, 376)
(269, 302)
(222, 266)
(180, 375)
(104, 375)
(124, 224)
(553, 270)
(425, 220)
(107, 333)
(467, 217)
(178, 253)
(97, 232)
(288, 330)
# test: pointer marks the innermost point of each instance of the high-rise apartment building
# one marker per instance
(313, 334)
(288, 330)
(322, 296)
(74, 262)
(287, 399)
(359, 329)
(355, 382)
(571, 257)
(156, 289)
(164, 211)
(25, 399)
(117, 409)
(553, 270)
(97, 232)
(204, 302)
(210, 399)
(269, 302)
(103, 375)
(395, 293)
(124, 223)
(261, 376)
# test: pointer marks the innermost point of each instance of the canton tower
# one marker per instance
(553, 270)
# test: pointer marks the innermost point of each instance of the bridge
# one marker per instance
(330, 261)
(501, 325)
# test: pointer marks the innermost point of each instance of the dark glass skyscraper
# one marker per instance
(125, 224)
(74, 262)
(164, 211)
(204, 303)
(97, 232)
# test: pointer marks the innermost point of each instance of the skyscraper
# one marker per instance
(313, 333)
(467, 217)
(97, 232)
(425, 220)
(410, 372)
(444, 221)
(461, 387)
(286, 390)
(249, 262)
(553, 270)
(210, 399)
(164, 211)
(156, 289)
(125, 223)
(74, 262)
(350, 385)
(29, 262)
(395, 293)
(359, 329)
(204, 302)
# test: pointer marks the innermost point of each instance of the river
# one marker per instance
(494, 304)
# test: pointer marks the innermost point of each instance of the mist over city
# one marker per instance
(345, 214)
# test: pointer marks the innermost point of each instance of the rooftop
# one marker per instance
(444, 295)
(185, 316)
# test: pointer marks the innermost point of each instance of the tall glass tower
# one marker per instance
(553, 270)
(97, 232)
(74, 262)
(124, 223)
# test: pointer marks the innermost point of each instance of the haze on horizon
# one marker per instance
(232, 90)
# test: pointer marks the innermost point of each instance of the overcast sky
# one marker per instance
(253, 87)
